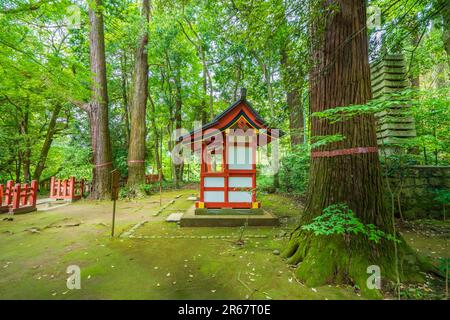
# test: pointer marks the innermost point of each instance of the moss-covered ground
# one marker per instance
(159, 261)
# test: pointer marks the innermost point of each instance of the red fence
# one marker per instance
(149, 178)
(6, 193)
(68, 189)
(19, 198)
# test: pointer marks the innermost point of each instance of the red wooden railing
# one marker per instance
(68, 189)
(6, 192)
(19, 198)
(149, 178)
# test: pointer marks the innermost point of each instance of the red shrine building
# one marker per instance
(227, 147)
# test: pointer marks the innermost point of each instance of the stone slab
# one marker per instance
(190, 219)
(174, 217)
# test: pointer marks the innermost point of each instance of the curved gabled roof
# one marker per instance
(223, 121)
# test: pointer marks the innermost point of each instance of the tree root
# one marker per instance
(334, 259)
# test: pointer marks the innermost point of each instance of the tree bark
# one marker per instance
(47, 143)
(445, 13)
(136, 150)
(207, 80)
(341, 77)
(155, 136)
(203, 114)
(238, 65)
(293, 99)
(98, 107)
(414, 78)
(126, 117)
(178, 168)
(26, 154)
(18, 166)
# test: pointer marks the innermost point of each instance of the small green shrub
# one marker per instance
(294, 170)
(339, 219)
(265, 184)
(140, 191)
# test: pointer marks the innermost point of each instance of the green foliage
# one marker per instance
(264, 183)
(444, 265)
(319, 141)
(131, 193)
(442, 196)
(430, 109)
(262, 45)
(339, 219)
(294, 170)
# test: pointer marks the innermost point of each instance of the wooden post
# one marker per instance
(71, 187)
(16, 197)
(81, 188)
(9, 192)
(52, 187)
(160, 168)
(24, 194)
(64, 188)
(58, 187)
(33, 195)
(2, 191)
(115, 185)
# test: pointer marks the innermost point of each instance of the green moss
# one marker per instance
(331, 259)
(125, 268)
(280, 205)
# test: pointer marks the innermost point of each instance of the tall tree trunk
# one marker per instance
(203, 114)
(26, 154)
(207, 80)
(136, 150)
(172, 111)
(238, 74)
(414, 78)
(155, 136)
(445, 13)
(268, 79)
(293, 99)
(18, 166)
(98, 107)
(178, 168)
(47, 143)
(341, 77)
(126, 116)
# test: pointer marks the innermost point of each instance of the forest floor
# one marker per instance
(161, 260)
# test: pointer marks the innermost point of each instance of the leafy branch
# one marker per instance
(339, 219)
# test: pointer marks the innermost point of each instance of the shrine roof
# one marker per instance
(242, 108)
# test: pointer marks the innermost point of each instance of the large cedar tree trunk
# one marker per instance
(293, 98)
(136, 149)
(178, 168)
(124, 83)
(445, 14)
(47, 142)
(26, 154)
(98, 107)
(155, 136)
(340, 76)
